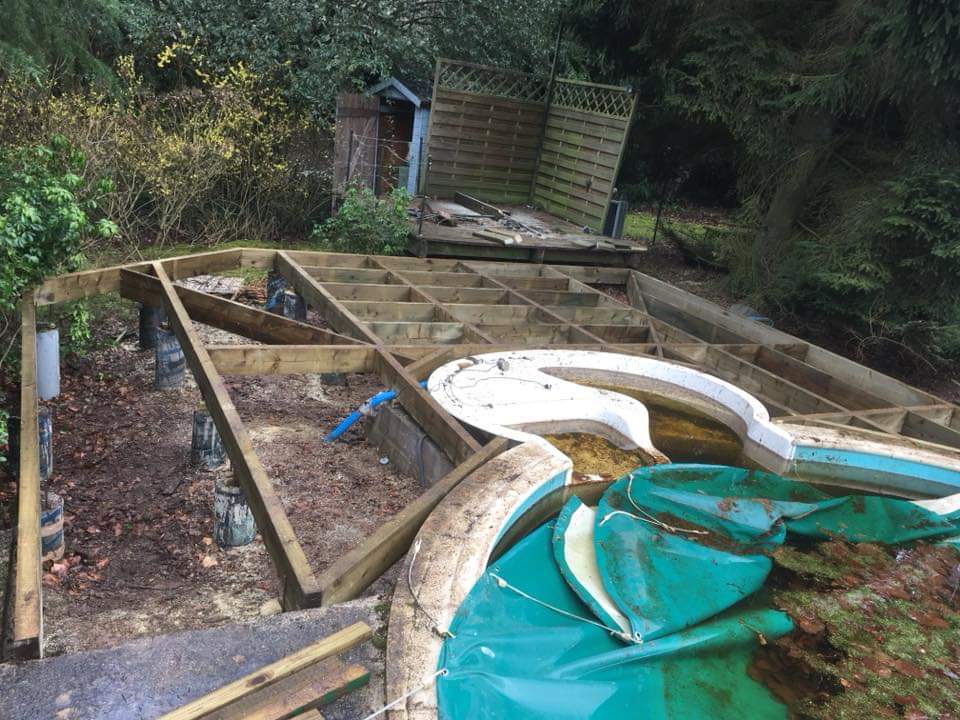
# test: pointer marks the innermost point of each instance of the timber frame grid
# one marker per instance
(401, 318)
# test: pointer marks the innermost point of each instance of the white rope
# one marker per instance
(626, 637)
(434, 625)
(439, 673)
(647, 517)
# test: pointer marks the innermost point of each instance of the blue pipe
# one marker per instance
(378, 399)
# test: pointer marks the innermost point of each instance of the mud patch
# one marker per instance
(878, 632)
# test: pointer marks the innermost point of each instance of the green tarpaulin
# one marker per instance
(681, 552)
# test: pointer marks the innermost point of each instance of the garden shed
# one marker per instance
(380, 135)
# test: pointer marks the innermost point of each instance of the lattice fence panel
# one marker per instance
(598, 99)
(490, 81)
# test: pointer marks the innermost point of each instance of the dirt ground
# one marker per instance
(140, 558)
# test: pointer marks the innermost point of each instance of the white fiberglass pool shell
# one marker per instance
(506, 392)
(522, 394)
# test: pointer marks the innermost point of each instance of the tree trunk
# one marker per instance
(813, 133)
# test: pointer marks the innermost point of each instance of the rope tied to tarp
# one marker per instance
(442, 672)
(635, 638)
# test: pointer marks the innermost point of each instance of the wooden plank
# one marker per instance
(347, 275)
(314, 686)
(96, 282)
(532, 283)
(229, 315)
(27, 601)
(353, 572)
(399, 332)
(487, 314)
(362, 291)
(264, 677)
(296, 576)
(444, 429)
(291, 359)
(465, 294)
(478, 205)
(317, 295)
(682, 303)
(369, 310)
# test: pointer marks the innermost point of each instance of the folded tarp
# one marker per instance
(662, 620)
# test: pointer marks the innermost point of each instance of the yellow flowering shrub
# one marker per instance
(219, 159)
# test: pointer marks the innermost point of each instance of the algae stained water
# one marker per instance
(682, 433)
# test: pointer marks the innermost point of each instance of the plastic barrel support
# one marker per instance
(45, 437)
(233, 523)
(206, 447)
(170, 362)
(48, 361)
(293, 306)
(51, 528)
(276, 284)
(149, 326)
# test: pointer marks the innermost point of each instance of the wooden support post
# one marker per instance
(27, 603)
(297, 579)
(355, 571)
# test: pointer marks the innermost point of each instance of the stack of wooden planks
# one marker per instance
(294, 686)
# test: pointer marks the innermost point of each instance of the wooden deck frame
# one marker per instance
(490, 306)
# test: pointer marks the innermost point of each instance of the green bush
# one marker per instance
(367, 224)
(45, 215)
(891, 269)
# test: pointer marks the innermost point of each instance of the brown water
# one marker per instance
(684, 434)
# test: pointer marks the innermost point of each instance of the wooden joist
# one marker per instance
(229, 315)
(291, 359)
(352, 573)
(27, 601)
(316, 294)
(455, 441)
(299, 586)
(266, 676)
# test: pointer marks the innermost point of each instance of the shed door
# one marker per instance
(355, 141)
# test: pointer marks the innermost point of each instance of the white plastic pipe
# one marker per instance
(48, 362)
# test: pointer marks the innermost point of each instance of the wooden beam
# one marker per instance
(229, 315)
(313, 687)
(264, 677)
(316, 294)
(684, 304)
(469, 332)
(291, 359)
(27, 600)
(636, 299)
(444, 429)
(296, 576)
(96, 282)
(403, 332)
(352, 573)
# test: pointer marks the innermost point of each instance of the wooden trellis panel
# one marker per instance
(493, 136)
(484, 132)
(583, 141)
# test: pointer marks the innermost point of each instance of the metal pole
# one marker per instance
(546, 107)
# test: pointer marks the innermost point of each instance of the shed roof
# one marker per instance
(418, 92)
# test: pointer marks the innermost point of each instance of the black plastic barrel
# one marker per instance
(170, 362)
(206, 447)
(276, 284)
(293, 306)
(45, 435)
(51, 527)
(151, 318)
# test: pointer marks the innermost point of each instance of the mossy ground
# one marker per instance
(878, 632)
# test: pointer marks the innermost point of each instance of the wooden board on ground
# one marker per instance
(268, 675)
